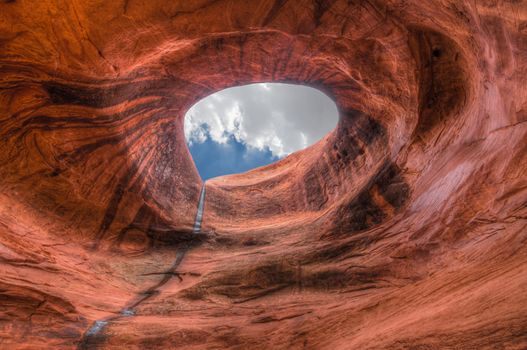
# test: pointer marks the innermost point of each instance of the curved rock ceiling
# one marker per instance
(405, 228)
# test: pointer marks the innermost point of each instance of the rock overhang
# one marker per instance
(420, 186)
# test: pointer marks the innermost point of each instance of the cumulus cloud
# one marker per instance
(282, 118)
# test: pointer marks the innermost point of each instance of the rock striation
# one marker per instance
(404, 228)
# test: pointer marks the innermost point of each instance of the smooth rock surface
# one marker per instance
(405, 228)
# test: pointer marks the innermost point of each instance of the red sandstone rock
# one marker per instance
(405, 228)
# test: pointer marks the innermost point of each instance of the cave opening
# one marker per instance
(245, 127)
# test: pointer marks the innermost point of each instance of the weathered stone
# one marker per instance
(405, 227)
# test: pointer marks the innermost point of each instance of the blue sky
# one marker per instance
(215, 159)
(244, 127)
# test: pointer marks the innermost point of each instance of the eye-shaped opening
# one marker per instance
(240, 128)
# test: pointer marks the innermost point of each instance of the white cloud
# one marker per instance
(281, 117)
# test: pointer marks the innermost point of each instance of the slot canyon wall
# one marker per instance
(404, 228)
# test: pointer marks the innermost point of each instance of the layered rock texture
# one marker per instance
(404, 228)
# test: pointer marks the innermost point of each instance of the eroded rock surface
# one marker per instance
(405, 228)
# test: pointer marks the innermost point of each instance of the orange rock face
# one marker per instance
(404, 228)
